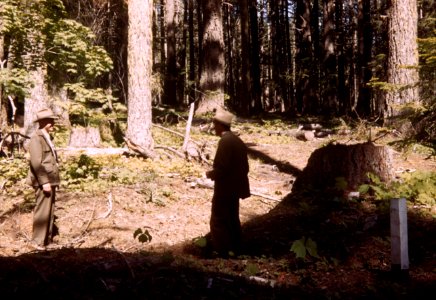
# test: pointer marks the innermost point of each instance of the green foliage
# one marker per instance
(251, 269)
(341, 183)
(142, 235)
(200, 241)
(39, 35)
(86, 98)
(417, 187)
(15, 81)
(12, 171)
(81, 170)
(303, 246)
(73, 53)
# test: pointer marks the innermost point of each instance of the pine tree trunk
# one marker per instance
(329, 102)
(3, 98)
(139, 117)
(212, 72)
(256, 103)
(192, 53)
(402, 69)
(36, 100)
(245, 93)
(171, 23)
(304, 57)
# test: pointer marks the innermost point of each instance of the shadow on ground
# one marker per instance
(352, 261)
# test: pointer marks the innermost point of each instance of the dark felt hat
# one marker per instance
(224, 117)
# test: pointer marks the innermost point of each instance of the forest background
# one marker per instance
(107, 63)
(112, 70)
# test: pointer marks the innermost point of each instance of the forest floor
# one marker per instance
(96, 256)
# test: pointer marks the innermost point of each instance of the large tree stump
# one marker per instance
(352, 162)
(84, 137)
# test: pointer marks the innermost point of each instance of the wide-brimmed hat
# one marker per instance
(224, 117)
(45, 113)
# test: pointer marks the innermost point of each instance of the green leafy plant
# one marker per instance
(251, 269)
(142, 235)
(11, 173)
(200, 241)
(81, 169)
(304, 246)
(417, 187)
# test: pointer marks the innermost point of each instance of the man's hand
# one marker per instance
(210, 174)
(46, 188)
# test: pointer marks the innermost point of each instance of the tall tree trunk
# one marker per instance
(162, 40)
(343, 102)
(3, 98)
(275, 32)
(36, 99)
(230, 56)
(38, 92)
(256, 104)
(212, 72)
(304, 55)
(329, 102)
(313, 92)
(245, 93)
(171, 23)
(139, 62)
(402, 57)
(192, 53)
(363, 106)
(181, 53)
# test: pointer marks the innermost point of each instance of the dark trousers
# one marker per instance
(43, 216)
(225, 226)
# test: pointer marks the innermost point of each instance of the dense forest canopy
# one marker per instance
(370, 60)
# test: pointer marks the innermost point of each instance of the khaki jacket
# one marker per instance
(43, 162)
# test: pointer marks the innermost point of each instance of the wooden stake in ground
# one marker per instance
(399, 239)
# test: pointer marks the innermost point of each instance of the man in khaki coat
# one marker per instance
(44, 177)
(230, 173)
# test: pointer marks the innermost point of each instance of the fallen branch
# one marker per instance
(207, 183)
(265, 196)
(176, 133)
(90, 219)
(109, 208)
(171, 150)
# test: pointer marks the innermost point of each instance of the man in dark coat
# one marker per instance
(44, 177)
(230, 173)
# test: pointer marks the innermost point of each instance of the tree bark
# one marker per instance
(304, 58)
(329, 101)
(402, 69)
(171, 23)
(36, 100)
(255, 102)
(245, 86)
(363, 106)
(139, 116)
(3, 98)
(192, 54)
(212, 72)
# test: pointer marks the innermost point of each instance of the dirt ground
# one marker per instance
(96, 256)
